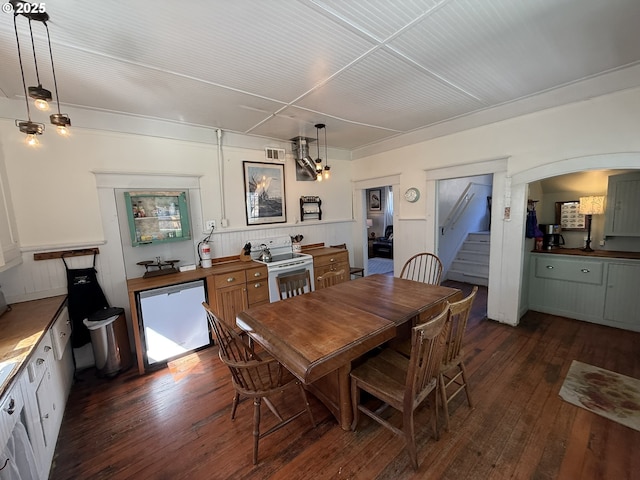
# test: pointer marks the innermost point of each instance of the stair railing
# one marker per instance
(458, 209)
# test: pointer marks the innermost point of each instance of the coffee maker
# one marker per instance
(551, 237)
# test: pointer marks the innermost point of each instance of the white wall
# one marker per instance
(57, 202)
(592, 134)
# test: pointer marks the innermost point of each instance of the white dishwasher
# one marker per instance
(172, 321)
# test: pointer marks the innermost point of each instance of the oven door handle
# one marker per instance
(291, 264)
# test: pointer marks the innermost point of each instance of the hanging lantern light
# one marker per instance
(318, 159)
(41, 95)
(327, 168)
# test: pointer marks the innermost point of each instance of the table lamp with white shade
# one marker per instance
(593, 205)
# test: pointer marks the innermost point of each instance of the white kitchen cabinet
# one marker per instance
(13, 429)
(623, 198)
(598, 290)
(10, 254)
(49, 376)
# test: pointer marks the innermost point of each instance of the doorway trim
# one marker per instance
(360, 212)
(497, 167)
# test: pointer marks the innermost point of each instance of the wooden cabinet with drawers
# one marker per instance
(330, 260)
(234, 291)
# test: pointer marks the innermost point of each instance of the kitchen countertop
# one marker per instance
(20, 331)
(595, 253)
(139, 284)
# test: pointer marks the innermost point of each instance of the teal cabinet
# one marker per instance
(622, 306)
(623, 198)
(569, 286)
(598, 290)
(157, 217)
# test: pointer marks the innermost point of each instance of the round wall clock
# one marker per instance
(412, 195)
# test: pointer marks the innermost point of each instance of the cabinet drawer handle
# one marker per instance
(40, 361)
(230, 279)
(62, 334)
(332, 260)
(257, 274)
(45, 416)
(585, 270)
(550, 267)
(47, 348)
(12, 407)
(257, 285)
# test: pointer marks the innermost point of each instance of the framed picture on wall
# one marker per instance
(568, 218)
(264, 193)
(375, 200)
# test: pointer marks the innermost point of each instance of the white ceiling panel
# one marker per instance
(518, 47)
(371, 70)
(266, 48)
(301, 123)
(378, 18)
(386, 91)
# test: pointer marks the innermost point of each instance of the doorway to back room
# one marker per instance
(379, 208)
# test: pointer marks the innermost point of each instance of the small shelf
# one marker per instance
(310, 208)
(157, 217)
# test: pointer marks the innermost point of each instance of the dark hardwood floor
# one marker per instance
(175, 424)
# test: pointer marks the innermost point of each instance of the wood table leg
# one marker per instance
(344, 397)
(334, 391)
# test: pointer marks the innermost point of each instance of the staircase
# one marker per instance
(471, 264)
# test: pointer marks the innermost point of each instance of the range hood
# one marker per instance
(301, 152)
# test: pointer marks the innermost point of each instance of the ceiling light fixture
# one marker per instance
(327, 168)
(41, 95)
(318, 159)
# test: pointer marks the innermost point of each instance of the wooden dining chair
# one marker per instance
(403, 383)
(293, 284)
(355, 271)
(423, 267)
(452, 375)
(329, 279)
(255, 375)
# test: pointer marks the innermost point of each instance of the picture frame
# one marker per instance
(375, 200)
(264, 193)
(568, 218)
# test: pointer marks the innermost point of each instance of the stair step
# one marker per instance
(473, 256)
(479, 237)
(476, 246)
(474, 268)
(466, 277)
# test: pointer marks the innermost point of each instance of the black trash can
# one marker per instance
(110, 341)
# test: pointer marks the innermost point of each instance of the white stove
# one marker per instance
(283, 260)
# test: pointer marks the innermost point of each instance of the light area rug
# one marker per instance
(379, 265)
(605, 393)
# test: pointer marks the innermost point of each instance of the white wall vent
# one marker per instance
(276, 154)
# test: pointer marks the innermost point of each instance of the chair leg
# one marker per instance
(445, 401)
(256, 428)
(434, 421)
(273, 409)
(234, 405)
(407, 426)
(466, 385)
(306, 403)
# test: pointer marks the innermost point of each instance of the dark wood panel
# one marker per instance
(168, 426)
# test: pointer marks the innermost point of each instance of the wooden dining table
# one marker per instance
(318, 335)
